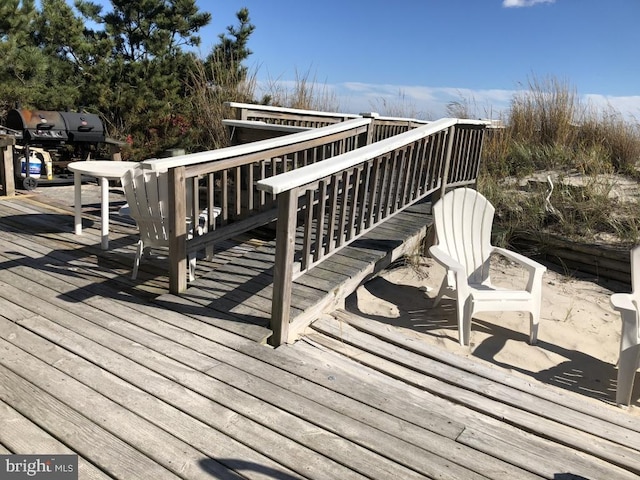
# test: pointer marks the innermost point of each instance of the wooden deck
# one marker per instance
(143, 384)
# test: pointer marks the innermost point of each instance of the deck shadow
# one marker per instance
(38, 223)
(580, 373)
(212, 466)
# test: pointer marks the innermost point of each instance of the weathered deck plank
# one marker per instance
(81, 434)
(97, 275)
(209, 442)
(22, 435)
(268, 409)
(382, 408)
(609, 416)
(566, 427)
(502, 402)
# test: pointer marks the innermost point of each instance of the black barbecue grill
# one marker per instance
(66, 136)
(46, 127)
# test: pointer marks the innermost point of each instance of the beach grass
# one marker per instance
(550, 132)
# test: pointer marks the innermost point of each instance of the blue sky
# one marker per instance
(416, 56)
(422, 54)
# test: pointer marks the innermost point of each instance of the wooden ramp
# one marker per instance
(241, 285)
(95, 364)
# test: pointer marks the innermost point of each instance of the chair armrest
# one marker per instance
(526, 262)
(627, 305)
(446, 260)
(535, 270)
(622, 301)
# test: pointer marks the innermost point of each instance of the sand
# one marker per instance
(578, 338)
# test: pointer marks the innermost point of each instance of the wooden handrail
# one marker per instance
(230, 176)
(270, 114)
(309, 174)
(384, 126)
(337, 201)
(254, 147)
(249, 131)
(263, 125)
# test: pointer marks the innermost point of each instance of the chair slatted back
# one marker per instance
(463, 219)
(147, 194)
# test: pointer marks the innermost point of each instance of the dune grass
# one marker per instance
(549, 131)
(207, 100)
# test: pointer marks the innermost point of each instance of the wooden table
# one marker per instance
(103, 170)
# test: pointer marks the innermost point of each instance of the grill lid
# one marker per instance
(83, 127)
(38, 125)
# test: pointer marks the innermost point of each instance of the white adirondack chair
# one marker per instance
(629, 360)
(463, 220)
(147, 194)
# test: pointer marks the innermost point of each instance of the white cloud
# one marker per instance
(425, 102)
(628, 107)
(523, 3)
(430, 103)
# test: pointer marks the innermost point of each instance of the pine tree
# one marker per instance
(22, 64)
(225, 60)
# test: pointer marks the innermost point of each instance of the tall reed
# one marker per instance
(304, 93)
(207, 97)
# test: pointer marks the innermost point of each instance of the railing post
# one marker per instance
(177, 231)
(371, 129)
(7, 181)
(283, 268)
(447, 165)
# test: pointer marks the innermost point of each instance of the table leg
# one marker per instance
(77, 201)
(104, 190)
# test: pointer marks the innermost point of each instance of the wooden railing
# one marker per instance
(227, 179)
(383, 127)
(386, 127)
(287, 116)
(337, 201)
